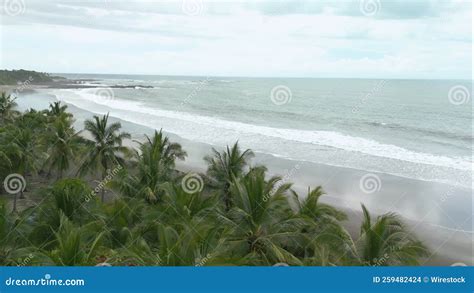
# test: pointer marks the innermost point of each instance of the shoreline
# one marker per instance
(427, 232)
(338, 196)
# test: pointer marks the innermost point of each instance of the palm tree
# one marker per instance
(184, 207)
(124, 219)
(21, 145)
(155, 162)
(67, 197)
(158, 155)
(387, 242)
(29, 160)
(7, 162)
(179, 232)
(223, 167)
(65, 147)
(105, 149)
(262, 220)
(72, 246)
(75, 245)
(8, 235)
(324, 237)
(58, 110)
(249, 219)
(312, 208)
(7, 104)
(196, 244)
(8, 150)
(36, 121)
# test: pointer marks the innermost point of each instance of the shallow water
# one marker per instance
(407, 128)
(439, 210)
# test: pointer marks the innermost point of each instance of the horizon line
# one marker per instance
(270, 77)
(260, 76)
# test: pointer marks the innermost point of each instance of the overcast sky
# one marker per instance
(368, 38)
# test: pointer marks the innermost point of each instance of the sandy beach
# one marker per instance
(440, 214)
(450, 244)
(268, 146)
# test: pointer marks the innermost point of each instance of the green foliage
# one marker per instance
(7, 104)
(72, 246)
(69, 196)
(325, 239)
(21, 147)
(387, 242)
(262, 220)
(8, 235)
(241, 217)
(186, 207)
(155, 161)
(105, 147)
(105, 150)
(65, 146)
(13, 77)
(224, 166)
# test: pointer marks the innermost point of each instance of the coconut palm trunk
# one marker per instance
(22, 194)
(14, 203)
(102, 191)
(105, 148)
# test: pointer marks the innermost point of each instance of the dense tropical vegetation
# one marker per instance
(13, 77)
(90, 200)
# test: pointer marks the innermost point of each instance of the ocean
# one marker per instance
(408, 128)
(401, 146)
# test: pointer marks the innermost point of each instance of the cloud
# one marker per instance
(419, 39)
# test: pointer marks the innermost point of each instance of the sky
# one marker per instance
(354, 39)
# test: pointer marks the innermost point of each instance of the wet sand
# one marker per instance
(439, 214)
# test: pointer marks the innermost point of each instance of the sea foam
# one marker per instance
(214, 127)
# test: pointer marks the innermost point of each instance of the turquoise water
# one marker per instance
(408, 128)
